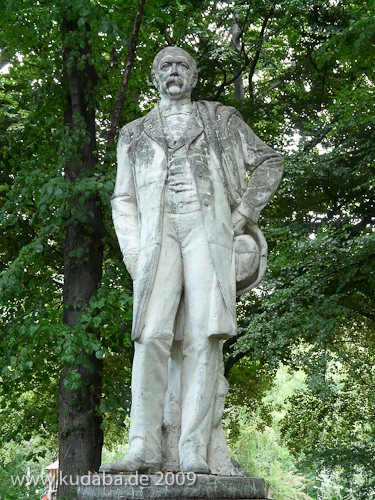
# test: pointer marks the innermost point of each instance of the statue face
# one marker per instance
(175, 77)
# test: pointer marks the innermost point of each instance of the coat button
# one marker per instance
(200, 174)
(206, 203)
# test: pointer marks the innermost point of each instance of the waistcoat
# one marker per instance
(180, 190)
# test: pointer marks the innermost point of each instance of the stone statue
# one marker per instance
(185, 215)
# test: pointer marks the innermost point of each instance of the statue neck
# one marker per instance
(175, 106)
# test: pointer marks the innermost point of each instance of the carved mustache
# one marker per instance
(176, 80)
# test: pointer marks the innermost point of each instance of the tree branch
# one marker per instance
(314, 142)
(125, 77)
(232, 361)
(3, 63)
(365, 314)
(267, 90)
(257, 53)
(226, 83)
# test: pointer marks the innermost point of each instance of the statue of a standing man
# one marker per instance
(181, 200)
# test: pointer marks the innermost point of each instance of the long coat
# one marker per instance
(220, 149)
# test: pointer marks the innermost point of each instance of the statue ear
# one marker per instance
(194, 80)
(155, 79)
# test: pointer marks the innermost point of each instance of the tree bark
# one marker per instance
(258, 51)
(236, 44)
(80, 435)
(126, 75)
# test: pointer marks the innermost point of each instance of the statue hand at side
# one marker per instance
(239, 222)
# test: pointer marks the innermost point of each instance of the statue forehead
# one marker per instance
(174, 53)
(173, 57)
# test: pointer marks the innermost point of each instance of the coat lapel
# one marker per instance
(193, 129)
(154, 128)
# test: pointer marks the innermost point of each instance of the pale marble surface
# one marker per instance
(181, 199)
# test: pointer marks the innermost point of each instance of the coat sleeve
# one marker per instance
(124, 204)
(265, 165)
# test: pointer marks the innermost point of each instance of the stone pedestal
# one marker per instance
(169, 486)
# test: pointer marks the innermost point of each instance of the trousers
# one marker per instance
(185, 269)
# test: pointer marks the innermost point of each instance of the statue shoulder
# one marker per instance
(133, 126)
(131, 130)
(219, 111)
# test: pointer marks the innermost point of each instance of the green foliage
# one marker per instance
(308, 74)
(36, 205)
(329, 427)
(259, 447)
(20, 478)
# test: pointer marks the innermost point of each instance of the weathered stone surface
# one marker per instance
(238, 470)
(185, 213)
(169, 487)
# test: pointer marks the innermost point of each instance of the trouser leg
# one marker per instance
(152, 351)
(201, 354)
(198, 384)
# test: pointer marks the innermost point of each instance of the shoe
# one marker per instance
(195, 463)
(130, 463)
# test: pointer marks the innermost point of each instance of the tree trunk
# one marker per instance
(80, 435)
(236, 44)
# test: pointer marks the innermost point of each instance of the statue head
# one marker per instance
(174, 73)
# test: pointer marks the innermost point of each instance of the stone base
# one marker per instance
(169, 486)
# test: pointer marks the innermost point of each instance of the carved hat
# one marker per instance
(251, 258)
